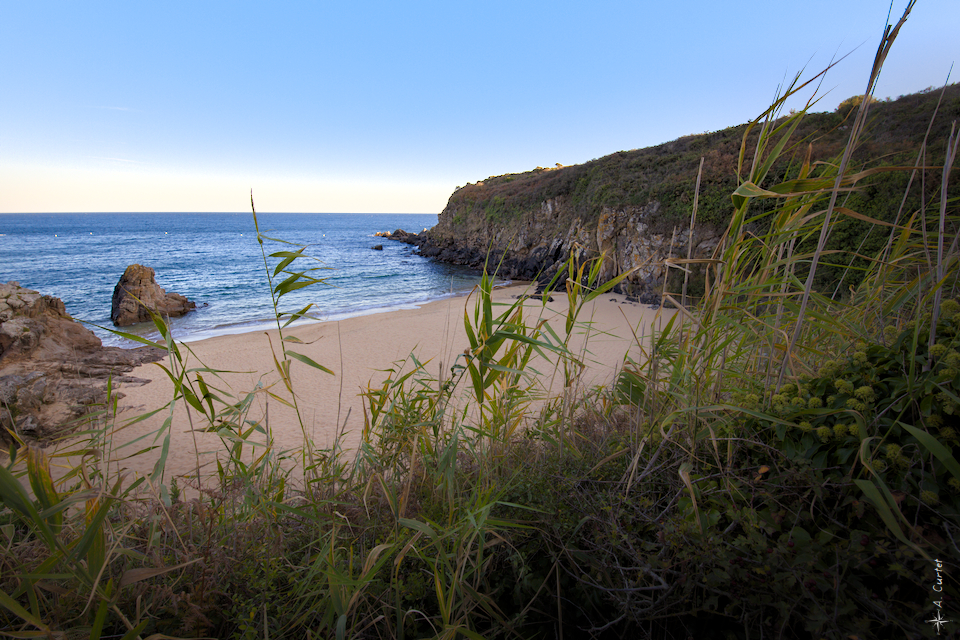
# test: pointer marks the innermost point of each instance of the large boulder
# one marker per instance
(53, 370)
(137, 292)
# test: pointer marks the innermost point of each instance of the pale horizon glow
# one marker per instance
(388, 107)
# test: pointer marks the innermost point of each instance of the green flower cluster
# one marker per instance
(856, 405)
(870, 391)
(946, 400)
(895, 456)
(843, 386)
(829, 369)
(865, 393)
(949, 435)
(949, 309)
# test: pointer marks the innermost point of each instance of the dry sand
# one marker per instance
(358, 350)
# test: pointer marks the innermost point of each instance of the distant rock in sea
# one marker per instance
(52, 368)
(137, 292)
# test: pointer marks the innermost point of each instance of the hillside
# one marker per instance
(631, 204)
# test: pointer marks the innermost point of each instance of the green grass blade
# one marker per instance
(130, 336)
(137, 630)
(422, 527)
(38, 470)
(308, 361)
(873, 494)
(288, 257)
(14, 497)
(93, 533)
(97, 627)
(294, 317)
(14, 607)
(935, 447)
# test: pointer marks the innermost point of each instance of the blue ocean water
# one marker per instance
(215, 260)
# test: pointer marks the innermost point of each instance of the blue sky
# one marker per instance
(389, 106)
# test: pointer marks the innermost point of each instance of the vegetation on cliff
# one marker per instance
(666, 176)
(667, 173)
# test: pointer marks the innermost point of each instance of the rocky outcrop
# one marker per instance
(137, 292)
(537, 243)
(53, 370)
(635, 206)
(404, 236)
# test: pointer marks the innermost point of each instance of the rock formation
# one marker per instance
(635, 206)
(536, 244)
(53, 369)
(138, 291)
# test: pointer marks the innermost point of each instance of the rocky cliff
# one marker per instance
(533, 245)
(53, 370)
(635, 206)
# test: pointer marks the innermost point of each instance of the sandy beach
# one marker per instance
(359, 351)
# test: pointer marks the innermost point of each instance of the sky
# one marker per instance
(390, 106)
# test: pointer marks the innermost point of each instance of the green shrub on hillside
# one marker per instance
(667, 173)
(851, 103)
(863, 411)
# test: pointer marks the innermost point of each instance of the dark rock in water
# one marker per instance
(540, 264)
(378, 247)
(404, 236)
(138, 291)
(53, 369)
(430, 251)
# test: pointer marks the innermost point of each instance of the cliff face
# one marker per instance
(635, 206)
(536, 243)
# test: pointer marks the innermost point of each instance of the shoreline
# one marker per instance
(360, 351)
(147, 331)
(271, 325)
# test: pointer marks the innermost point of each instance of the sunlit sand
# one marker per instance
(359, 350)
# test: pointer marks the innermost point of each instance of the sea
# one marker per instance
(215, 260)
